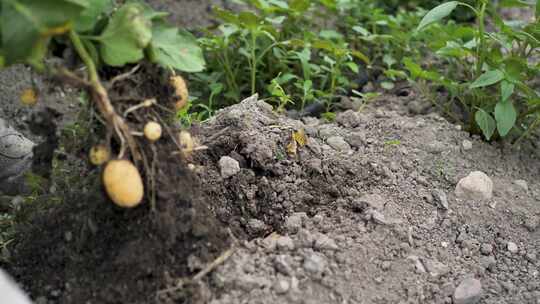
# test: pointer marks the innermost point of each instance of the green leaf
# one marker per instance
(507, 89)
(485, 122)
(27, 26)
(176, 49)
(90, 16)
(537, 9)
(126, 36)
(487, 79)
(505, 115)
(437, 14)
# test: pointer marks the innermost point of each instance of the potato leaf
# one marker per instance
(507, 89)
(487, 79)
(176, 49)
(126, 36)
(437, 14)
(90, 16)
(505, 115)
(485, 122)
(27, 26)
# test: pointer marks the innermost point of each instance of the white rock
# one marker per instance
(293, 223)
(229, 166)
(10, 292)
(475, 186)
(323, 242)
(469, 291)
(285, 243)
(512, 247)
(466, 145)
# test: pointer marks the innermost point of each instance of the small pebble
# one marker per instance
(469, 291)
(475, 186)
(314, 263)
(466, 145)
(229, 166)
(338, 143)
(486, 249)
(512, 247)
(281, 286)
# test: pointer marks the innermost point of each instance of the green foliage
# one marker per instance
(487, 72)
(117, 37)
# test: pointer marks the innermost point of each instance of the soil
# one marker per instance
(356, 215)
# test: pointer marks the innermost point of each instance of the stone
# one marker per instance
(440, 198)
(256, 226)
(228, 166)
(293, 223)
(466, 145)
(338, 144)
(532, 223)
(475, 186)
(314, 263)
(522, 184)
(323, 242)
(512, 247)
(10, 292)
(305, 238)
(282, 265)
(348, 119)
(282, 286)
(435, 268)
(418, 265)
(248, 282)
(469, 291)
(374, 201)
(486, 249)
(285, 243)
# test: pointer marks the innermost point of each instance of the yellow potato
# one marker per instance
(99, 154)
(123, 183)
(152, 131)
(180, 90)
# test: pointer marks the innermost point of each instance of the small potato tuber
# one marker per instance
(123, 183)
(152, 131)
(99, 154)
(180, 90)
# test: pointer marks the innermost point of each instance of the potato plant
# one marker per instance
(489, 72)
(101, 34)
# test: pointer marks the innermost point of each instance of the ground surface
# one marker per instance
(354, 217)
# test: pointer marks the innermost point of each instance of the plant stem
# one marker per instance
(480, 49)
(253, 62)
(529, 130)
(87, 60)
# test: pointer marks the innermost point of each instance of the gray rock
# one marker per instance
(248, 282)
(435, 147)
(314, 263)
(488, 262)
(486, 249)
(440, 198)
(282, 265)
(323, 242)
(469, 291)
(512, 247)
(305, 238)
(475, 186)
(348, 119)
(466, 145)
(418, 265)
(522, 184)
(374, 201)
(532, 223)
(338, 143)
(285, 243)
(256, 226)
(356, 139)
(315, 164)
(229, 166)
(293, 223)
(282, 286)
(10, 292)
(435, 268)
